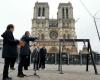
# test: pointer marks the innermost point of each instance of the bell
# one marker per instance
(85, 49)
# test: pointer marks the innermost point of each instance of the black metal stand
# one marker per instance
(92, 58)
(87, 61)
(87, 56)
(35, 73)
(59, 57)
(61, 72)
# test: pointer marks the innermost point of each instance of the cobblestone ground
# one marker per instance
(71, 72)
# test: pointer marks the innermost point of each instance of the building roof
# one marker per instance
(65, 5)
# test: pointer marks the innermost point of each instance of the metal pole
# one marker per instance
(55, 58)
(87, 56)
(68, 58)
(61, 72)
(87, 62)
(92, 59)
(59, 56)
(96, 27)
(81, 59)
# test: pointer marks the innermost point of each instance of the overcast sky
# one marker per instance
(20, 13)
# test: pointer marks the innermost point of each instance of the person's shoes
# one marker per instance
(7, 78)
(24, 74)
(43, 68)
(12, 68)
(37, 68)
(20, 75)
(26, 68)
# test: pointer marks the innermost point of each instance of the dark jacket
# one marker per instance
(26, 49)
(43, 53)
(36, 55)
(9, 45)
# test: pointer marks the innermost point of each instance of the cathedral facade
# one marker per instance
(50, 31)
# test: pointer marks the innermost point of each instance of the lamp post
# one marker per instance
(61, 72)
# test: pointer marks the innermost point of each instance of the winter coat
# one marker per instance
(43, 53)
(9, 45)
(35, 56)
(26, 49)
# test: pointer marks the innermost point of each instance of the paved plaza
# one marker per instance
(71, 72)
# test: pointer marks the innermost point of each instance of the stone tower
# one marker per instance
(41, 10)
(66, 20)
(40, 20)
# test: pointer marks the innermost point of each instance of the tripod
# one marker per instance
(35, 73)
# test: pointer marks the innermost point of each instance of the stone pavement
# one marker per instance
(71, 72)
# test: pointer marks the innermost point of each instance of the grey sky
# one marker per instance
(20, 13)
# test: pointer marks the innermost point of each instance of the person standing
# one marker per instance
(9, 49)
(25, 53)
(43, 53)
(36, 57)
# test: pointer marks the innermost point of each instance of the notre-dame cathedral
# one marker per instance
(51, 30)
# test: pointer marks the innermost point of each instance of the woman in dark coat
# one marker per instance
(25, 53)
(9, 49)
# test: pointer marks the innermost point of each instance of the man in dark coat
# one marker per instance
(43, 53)
(9, 49)
(25, 53)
